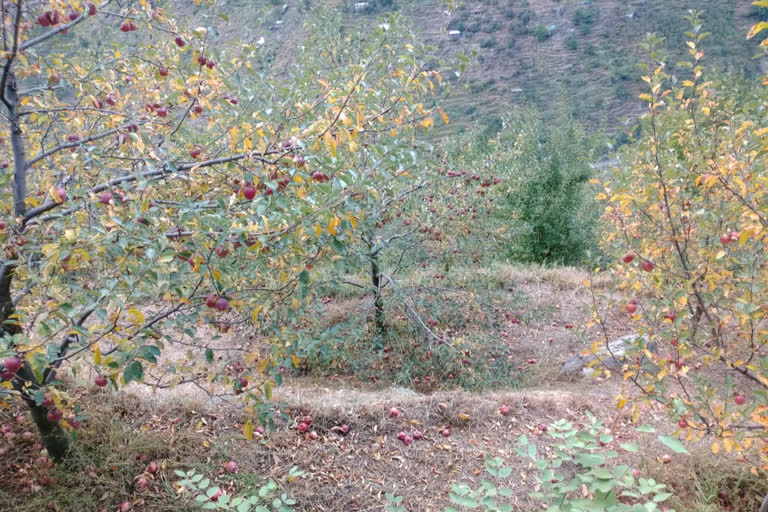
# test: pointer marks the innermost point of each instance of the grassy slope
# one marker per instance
(588, 65)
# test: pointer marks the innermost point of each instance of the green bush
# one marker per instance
(550, 206)
(541, 32)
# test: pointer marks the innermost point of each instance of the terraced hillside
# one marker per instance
(579, 55)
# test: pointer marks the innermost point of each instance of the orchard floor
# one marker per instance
(182, 429)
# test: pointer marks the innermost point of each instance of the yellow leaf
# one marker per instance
(248, 430)
(756, 29)
(255, 314)
(137, 317)
(96, 354)
(622, 401)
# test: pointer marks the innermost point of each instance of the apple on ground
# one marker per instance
(100, 381)
(394, 412)
(231, 467)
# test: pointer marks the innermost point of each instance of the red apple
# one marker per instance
(5, 164)
(152, 468)
(142, 483)
(210, 300)
(249, 192)
(445, 433)
(666, 458)
(42, 19)
(61, 193)
(394, 413)
(111, 100)
(739, 399)
(407, 441)
(631, 308)
(180, 42)
(670, 316)
(401, 435)
(307, 419)
(163, 71)
(91, 9)
(303, 427)
(210, 64)
(125, 506)
(162, 112)
(231, 467)
(628, 258)
(682, 423)
(54, 415)
(647, 265)
(197, 109)
(417, 435)
(734, 236)
(221, 251)
(105, 197)
(725, 238)
(504, 410)
(73, 15)
(344, 429)
(313, 435)
(12, 364)
(100, 381)
(195, 152)
(531, 361)
(202, 60)
(243, 382)
(233, 100)
(2, 225)
(299, 161)
(222, 304)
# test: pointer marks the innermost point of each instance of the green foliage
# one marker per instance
(487, 496)
(551, 212)
(579, 461)
(540, 32)
(209, 496)
(585, 18)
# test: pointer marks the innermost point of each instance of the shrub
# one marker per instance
(489, 42)
(571, 43)
(540, 32)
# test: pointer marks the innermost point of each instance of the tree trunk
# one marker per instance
(378, 300)
(54, 437)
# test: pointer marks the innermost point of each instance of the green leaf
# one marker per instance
(673, 444)
(631, 447)
(208, 355)
(646, 428)
(589, 460)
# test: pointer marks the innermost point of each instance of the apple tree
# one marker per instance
(156, 187)
(687, 217)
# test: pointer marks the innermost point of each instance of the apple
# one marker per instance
(233, 100)
(221, 251)
(345, 429)
(42, 19)
(636, 473)
(12, 364)
(231, 467)
(162, 112)
(249, 192)
(210, 64)
(299, 161)
(445, 432)
(105, 197)
(91, 9)
(666, 458)
(243, 382)
(54, 415)
(631, 308)
(125, 506)
(407, 441)
(682, 423)
(111, 100)
(163, 71)
(313, 435)
(504, 410)
(2, 225)
(394, 413)
(5, 164)
(222, 304)
(739, 398)
(152, 468)
(303, 427)
(319, 177)
(97, 103)
(670, 316)
(73, 15)
(61, 193)
(307, 419)
(531, 361)
(180, 42)
(401, 435)
(202, 60)
(195, 152)
(417, 435)
(647, 265)
(734, 236)
(197, 109)
(725, 238)
(210, 300)
(100, 381)
(142, 483)
(54, 77)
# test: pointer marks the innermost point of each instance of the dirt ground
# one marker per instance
(183, 427)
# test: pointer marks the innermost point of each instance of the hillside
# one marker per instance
(578, 55)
